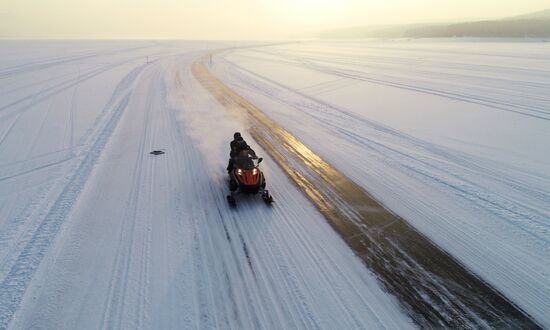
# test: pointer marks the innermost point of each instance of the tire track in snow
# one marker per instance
(64, 85)
(244, 315)
(114, 306)
(441, 171)
(32, 101)
(430, 284)
(40, 65)
(21, 228)
(13, 286)
(539, 112)
(72, 113)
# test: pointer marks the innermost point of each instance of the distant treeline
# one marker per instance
(534, 25)
(507, 28)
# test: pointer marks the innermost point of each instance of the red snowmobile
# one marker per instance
(247, 178)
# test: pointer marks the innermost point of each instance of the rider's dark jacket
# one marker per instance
(238, 146)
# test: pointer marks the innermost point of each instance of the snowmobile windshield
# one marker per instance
(245, 160)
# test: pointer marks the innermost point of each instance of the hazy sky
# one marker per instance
(232, 19)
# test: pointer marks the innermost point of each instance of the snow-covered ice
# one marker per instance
(451, 135)
(97, 233)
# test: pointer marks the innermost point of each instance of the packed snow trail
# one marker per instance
(432, 286)
(470, 172)
(106, 235)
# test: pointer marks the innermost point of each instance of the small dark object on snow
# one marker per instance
(156, 152)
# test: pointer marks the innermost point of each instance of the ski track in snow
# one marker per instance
(97, 233)
(484, 200)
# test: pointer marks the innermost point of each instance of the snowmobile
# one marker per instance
(247, 178)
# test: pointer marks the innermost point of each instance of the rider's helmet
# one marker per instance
(236, 135)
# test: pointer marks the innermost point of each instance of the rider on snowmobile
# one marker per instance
(236, 138)
(237, 145)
